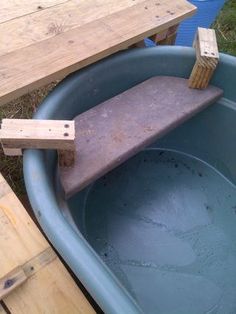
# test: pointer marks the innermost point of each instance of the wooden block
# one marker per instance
(166, 37)
(66, 158)
(12, 151)
(169, 40)
(17, 134)
(207, 58)
(117, 129)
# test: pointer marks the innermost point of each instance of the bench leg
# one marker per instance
(166, 37)
(140, 44)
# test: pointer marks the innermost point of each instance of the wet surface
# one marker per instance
(164, 223)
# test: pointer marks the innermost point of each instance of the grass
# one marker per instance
(24, 107)
(225, 27)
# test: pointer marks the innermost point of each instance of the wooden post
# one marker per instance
(18, 134)
(166, 37)
(207, 58)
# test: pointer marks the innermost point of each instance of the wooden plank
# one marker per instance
(16, 124)
(11, 281)
(20, 274)
(50, 289)
(41, 134)
(117, 129)
(35, 65)
(44, 24)
(207, 58)
(12, 9)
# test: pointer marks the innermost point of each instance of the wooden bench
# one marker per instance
(51, 38)
(112, 132)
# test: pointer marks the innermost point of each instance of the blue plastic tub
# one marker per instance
(157, 234)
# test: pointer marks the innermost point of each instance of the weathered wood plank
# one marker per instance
(11, 281)
(35, 65)
(50, 289)
(38, 26)
(12, 9)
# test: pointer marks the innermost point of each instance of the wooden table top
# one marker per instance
(44, 40)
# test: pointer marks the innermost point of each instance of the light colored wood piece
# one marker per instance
(11, 281)
(34, 65)
(50, 289)
(44, 24)
(11, 9)
(169, 40)
(207, 58)
(66, 158)
(167, 37)
(40, 134)
(10, 151)
(19, 275)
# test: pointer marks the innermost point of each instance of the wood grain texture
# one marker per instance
(12, 9)
(2, 310)
(207, 58)
(50, 289)
(30, 67)
(117, 129)
(11, 281)
(40, 134)
(38, 26)
(20, 274)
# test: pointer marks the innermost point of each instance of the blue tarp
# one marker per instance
(205, 16)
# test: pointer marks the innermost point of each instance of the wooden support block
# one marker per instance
(207, 58)
(11, 281)
(166, 37)
(51, 44)
(169, 40)
(10, 151)
(18, 134)
(66, 158)
(139, 44)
